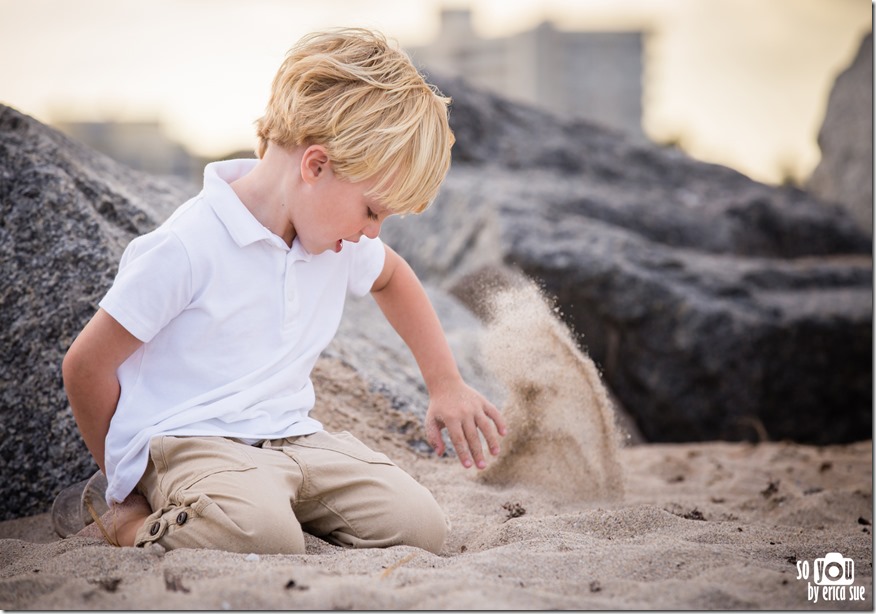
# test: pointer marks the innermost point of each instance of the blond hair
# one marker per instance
(365, 102)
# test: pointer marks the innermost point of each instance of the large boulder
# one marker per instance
(717, 307)
(845, 173)
(66, 214)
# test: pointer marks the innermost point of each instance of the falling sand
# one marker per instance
(562, 436)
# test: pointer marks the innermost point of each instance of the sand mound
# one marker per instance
(562, 429)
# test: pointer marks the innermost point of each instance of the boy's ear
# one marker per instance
(314, 163)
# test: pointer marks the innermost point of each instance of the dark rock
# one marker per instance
(717, 307)
(659, 193)
(845, 173)
(66, 214)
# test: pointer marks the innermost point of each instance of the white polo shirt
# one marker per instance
(232, 321)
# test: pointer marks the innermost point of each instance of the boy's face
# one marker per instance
(337, 211)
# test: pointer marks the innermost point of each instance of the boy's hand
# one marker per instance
(464, 412)
(452, 403)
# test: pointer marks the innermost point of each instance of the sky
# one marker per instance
(737, 82)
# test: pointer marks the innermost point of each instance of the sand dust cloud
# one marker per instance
(563, 435)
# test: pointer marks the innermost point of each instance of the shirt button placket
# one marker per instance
(290, 293)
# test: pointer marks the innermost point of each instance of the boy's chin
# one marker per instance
(335, 247)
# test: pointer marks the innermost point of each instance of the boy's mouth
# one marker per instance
(339, 245)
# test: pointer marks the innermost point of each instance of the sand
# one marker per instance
(565, 438)
(567, 518)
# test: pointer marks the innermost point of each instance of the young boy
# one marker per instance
(191, 385)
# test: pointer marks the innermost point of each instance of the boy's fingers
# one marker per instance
(433, 436)
(488, 428)
(474, 445)
(457, 437)
(496, 416)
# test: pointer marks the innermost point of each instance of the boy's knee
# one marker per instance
(424, 524)
(266, 531)
(404, 517)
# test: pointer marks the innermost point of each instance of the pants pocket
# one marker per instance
(343, 443)
(181, 462)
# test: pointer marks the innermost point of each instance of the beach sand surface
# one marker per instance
(697, 526)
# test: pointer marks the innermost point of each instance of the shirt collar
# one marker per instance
(243, 227)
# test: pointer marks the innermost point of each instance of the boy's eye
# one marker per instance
(372, 216)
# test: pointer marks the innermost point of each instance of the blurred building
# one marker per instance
(141, 145)
(590, 75)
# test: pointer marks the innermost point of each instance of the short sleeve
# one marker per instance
(366, 266)
(153, 284)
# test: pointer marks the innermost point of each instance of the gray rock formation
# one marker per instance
(67, 214)
(845, 173)
(717, 307)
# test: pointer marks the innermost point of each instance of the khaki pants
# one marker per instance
(213, 492)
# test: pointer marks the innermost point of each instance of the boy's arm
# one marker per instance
(90, 379)
(452, 403)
